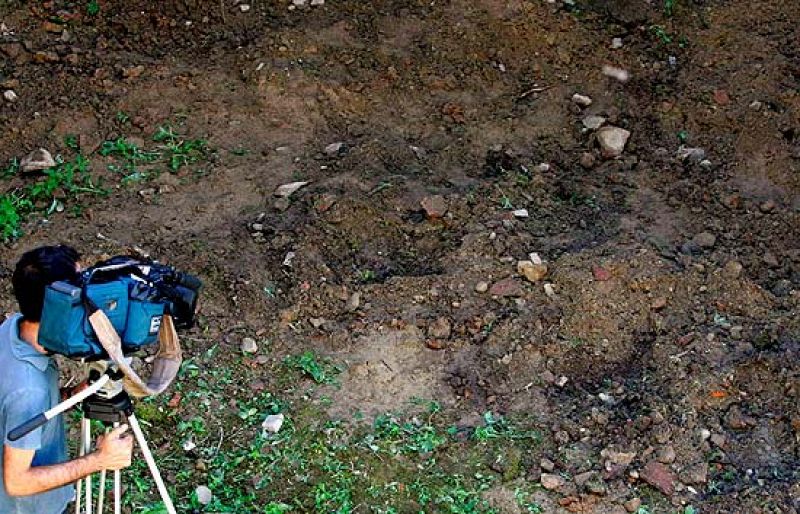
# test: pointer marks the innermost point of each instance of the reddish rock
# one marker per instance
(659, 476)
(434, 206)
(721, 97)
(601, 274)
(434, 344)
(506, 287)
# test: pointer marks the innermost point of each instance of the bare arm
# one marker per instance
(22, 479)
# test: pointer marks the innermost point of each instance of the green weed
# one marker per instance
(93, 8)
(321, 370)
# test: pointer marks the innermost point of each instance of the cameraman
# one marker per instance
(37, 474)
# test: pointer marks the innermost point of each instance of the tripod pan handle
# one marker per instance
(27, 427)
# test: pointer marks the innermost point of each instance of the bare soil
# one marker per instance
(646, 340)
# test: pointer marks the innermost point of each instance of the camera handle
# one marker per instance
(40, 419)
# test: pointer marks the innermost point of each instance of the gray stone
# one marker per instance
(705, 240)
(272, 423)
(593, 122)
(666, 455)
(204, 495)
(547, 464)
(249, 345)
(482, 287)
(440, 328)
(612, 141)
(551, 481)
(286, 190)
(689, 154)
(582, 100)
(10, 95)
(354, 302)
(695, 474)
(37, 160)
(334, 149)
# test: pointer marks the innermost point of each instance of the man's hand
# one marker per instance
(114, 449)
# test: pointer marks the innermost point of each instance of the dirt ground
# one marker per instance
(667, 324)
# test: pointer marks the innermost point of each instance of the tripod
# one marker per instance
(104, 400)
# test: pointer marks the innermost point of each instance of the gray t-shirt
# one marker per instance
(29, 386)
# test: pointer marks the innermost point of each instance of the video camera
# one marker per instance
(134, 294)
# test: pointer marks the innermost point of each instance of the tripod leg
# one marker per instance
(151, 463)
(117, 489)
(79, 485)
(87, 445)
(101, 495)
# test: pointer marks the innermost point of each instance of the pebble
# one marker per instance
(317, 2)
(561, 382)
(37, 160)
(521, 213)
(616, 43)
(770, 260)
(601, 274)
(612, 141)
(633, 504)
(551, 481)
(249, 345)
(549, 290)
(532, 272)
(506, 287)
(335, 149)
(204, 495)
(666, 455)
(481, 287)
(286, 190)
(582, 100)
(659, 476)
(244, 7)
(547, 464)
(299, 3)
(695, 474)
(10, 95)
(273, 423)
(593, 122)
(616, 73)
(440, 328)
(434, 206)
(733, 269)
(689, 154)
(587, 160)
(354, 302)
(705, 240)
(768, 206)
(535, 258)
(705, 434)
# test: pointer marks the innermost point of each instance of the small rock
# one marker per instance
(335, 149)
(587, 160)
(244, 7)
(273, 423)
(434, 206)
(771, 260)
(506, 287)
(549, 290)
(10, 95)
(551, 481)
(354, 302)
(601, 274)
(733, 269)
(286, 190)
(547, 464)
(317, 2)
(689, 154)
(737, 420)
(434, 344)
(768, 206)
(249, 345)
(633, 504)
(659, 303)
(53, 28)
(612, 141)
(705, 240)
(204, 495)
(659, 476)
(532, 272)
(440, 328)
(481, 287)
(582, 478)
(582, 100)
(561, 382)
(721, 97)
(317, 322)
(695, 474)
(622, 459)
(520, 213)
(535, 258)
(282, 204)
(189, 445)
(616, 73)
(666, 455)
(593, 122)
(705, 434)
(596, 486)
(37, 160)
(616, 43)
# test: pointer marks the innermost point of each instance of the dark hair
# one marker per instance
(37, 269)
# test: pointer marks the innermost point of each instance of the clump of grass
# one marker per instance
(322, 371)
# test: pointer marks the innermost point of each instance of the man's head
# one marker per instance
(37, 269)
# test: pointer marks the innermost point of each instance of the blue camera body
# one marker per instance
(65, 326)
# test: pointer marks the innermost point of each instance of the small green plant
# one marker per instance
(366, 276)
(322, 371)
(669, 7)
(93, 8)
(661, 34)
(123, 117)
